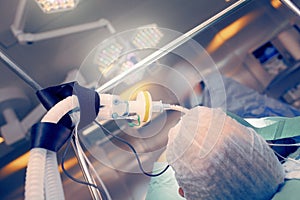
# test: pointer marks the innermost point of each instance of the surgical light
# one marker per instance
(51, 6)
(106, 56)
(147, 37)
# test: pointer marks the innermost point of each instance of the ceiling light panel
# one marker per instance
(107, 55)
(51, 6)
(147, 37)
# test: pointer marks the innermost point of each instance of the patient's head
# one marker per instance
(215, 157)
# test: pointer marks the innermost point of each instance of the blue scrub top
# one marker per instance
(163, 187)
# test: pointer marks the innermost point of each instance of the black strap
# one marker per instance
(52, 95)
(53, 136)
(89, 101)
(49, 135)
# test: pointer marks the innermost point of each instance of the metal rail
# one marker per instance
(291, 6)
(95, 194)
(143, 63)
(169, 47)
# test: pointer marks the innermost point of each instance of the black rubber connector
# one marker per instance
(89, 101)
(52, 136)
(49, 136)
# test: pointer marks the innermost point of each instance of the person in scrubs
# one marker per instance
(213, 156)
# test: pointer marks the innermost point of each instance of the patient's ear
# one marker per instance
(180, 191)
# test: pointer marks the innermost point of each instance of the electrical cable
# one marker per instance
(134, 151)
(35, 86)
(107, 195)
(285, 145)
(176, 108)
(73, 178)
(286, 159)
(80, 150)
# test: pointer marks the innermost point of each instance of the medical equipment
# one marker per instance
(170, 46)
(143, 107)
(113, 107)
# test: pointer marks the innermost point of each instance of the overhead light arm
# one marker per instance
(19, 20)
(25, 38)
(34, 37)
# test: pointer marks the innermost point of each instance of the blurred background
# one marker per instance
(257, 45)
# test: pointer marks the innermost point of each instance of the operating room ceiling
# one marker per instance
(49, 61)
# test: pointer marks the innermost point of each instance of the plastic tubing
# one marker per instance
(53, 183)
(35, 174)
(34, 182)
(177, 108)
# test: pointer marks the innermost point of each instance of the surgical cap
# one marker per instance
(215, 157)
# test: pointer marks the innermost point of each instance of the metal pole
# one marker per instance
(291, 6)
(143, 63)
(13, 67)
(86, 173)
(95, 194)
(169, 47)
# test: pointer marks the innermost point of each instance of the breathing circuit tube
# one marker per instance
(34, 183)
(42, 173)
(53, 182)
(43, 161)
(52, 132)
